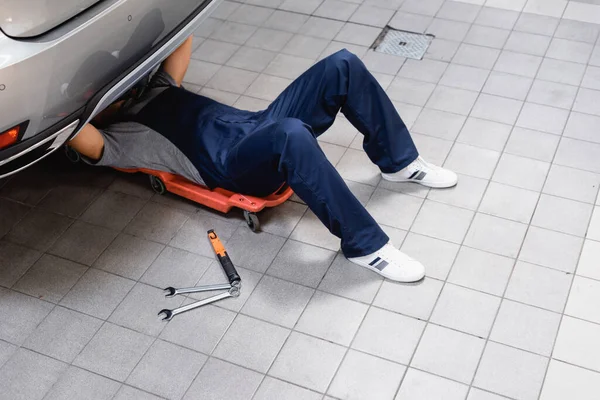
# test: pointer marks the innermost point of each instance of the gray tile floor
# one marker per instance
(507, 96)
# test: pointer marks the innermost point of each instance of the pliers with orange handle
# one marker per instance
(233, 287)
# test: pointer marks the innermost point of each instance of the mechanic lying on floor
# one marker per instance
(174, 130)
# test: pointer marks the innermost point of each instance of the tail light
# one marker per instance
(12, 135)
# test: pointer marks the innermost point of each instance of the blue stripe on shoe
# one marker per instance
(374, 261)
(381, 265)
(413, 174)
(421, 176)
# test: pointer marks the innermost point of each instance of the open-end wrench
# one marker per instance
(233, 287)
(171, 291)
(234, 291)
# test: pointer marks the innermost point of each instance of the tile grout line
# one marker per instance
(547, 105)
(550, 358)
(419, 234)
(408, 231)
(487, 340)
(347, 350)
(290, 330)
(239, 312)
(401, 192)
(245, 367)
(105, 321)
(427, 322)
(209, 355)
(293, 329)
(69, 365)
(42, 254)
(533, 79)
(462, 242)
(333, 294)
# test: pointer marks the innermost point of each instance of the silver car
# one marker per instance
(63, 61)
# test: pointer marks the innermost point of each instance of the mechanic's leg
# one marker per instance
(342, 82)
(288, 151)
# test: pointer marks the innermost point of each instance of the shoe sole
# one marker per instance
(434, 185)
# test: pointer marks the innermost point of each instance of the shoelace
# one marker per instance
(424, 165)
(386, 254)
(419, 165)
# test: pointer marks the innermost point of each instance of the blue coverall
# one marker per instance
(255, 152)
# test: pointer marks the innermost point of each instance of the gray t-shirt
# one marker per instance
(133, 145)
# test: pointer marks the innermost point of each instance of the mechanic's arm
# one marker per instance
(89, 142)
(177, 63)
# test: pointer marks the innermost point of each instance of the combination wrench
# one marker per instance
(233, 287)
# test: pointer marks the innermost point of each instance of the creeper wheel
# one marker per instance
(157, 185)
(252, 221)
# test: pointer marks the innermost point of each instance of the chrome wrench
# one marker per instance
(234, 291)
(171, 291)
(233, 287)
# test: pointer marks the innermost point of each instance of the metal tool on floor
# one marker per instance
(233, 287)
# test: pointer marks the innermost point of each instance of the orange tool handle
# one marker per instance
(223, 257)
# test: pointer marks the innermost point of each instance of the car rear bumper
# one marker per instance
(33, 152)
(29, 151)
(113, 92)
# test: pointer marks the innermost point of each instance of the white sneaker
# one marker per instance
(393, 264)
(420, 171)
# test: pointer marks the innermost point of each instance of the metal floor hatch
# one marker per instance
(403, 43)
